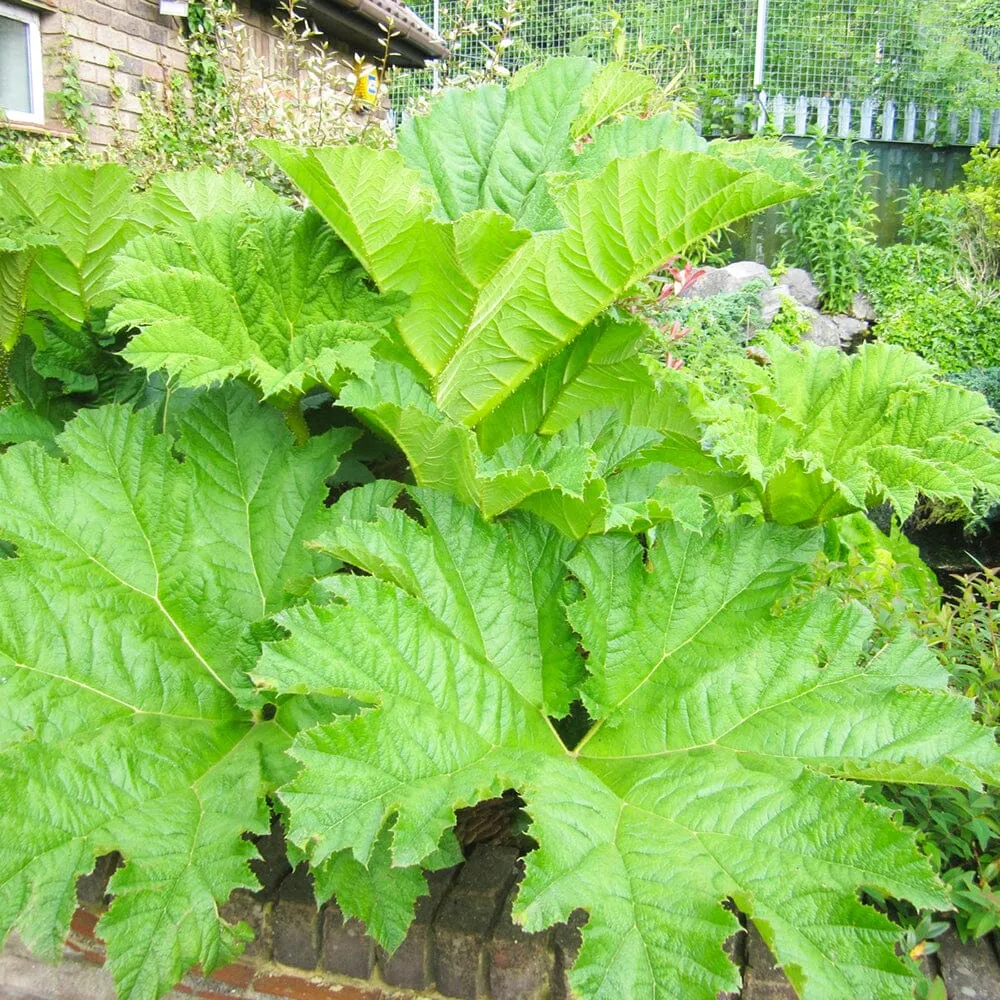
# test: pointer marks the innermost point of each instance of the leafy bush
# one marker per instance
(828, 231)
(958, 827)
(965, 221)
(930, 218)
(921, 305)
(178, 646)
(980, 235)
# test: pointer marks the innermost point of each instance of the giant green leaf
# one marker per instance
(125, 634)
(273, 297)
(597, 473)
(489, 147)
(86, 215)
(827, 434)
(493, 147)
(173, 200)
(490, 303)
(713, 768)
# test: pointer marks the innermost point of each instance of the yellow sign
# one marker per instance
(366, 89)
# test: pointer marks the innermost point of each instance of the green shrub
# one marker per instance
(964, 220)
(828, 230)
(718, 330)
(922, 306)
(980, 236)
(959, 828)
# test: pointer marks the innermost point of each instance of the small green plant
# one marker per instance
(828, 230)
(789, 324)
(930, 218)
(715, 332)
(74, 109)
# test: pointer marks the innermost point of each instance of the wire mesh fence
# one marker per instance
(931, 66)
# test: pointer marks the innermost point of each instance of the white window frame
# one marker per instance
(35, 70)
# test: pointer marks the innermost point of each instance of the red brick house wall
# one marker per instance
(144, 40)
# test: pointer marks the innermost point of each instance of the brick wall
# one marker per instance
(463, 945)
(144, 40)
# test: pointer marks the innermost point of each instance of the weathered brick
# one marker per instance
(466, 917)
(347, 950)
(296, 922)
(521, 965)
(410, 965)
(242, 905)
(239, 974)
(84, 923)
(969, 971)
(761, 980)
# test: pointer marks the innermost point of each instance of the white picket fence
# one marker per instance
(870, 119)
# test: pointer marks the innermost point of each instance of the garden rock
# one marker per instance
(862, 308)
(851, 330)
(771, 300)
(728, 279)
(824, 331)
(801, 287)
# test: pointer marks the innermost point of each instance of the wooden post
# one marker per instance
(867, 117)
(888, 121)
(910, 122)
(995, 128)
(844, 124)
(953, 128)
(975, 125)
(930, 129)
(762, 113)
(801, 115)
(823, 115)
(778, 114)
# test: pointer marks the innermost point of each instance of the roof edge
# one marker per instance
(414, 42)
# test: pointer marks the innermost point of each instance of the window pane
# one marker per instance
(15, 71)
